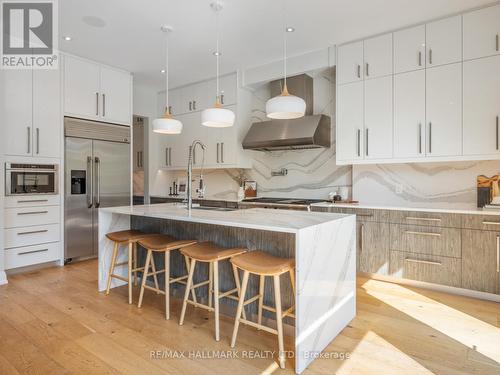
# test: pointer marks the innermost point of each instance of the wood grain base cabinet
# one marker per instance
(373, 247)
(481, 260)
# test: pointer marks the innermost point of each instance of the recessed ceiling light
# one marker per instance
(290, 29)
(67, 38)
(217, 53)
(162, 71)
(94, 21)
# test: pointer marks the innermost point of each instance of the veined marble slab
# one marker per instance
(325, 260)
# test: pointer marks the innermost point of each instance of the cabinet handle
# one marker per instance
(28, 132)
(138, 159)
(367, 69)
(364, 215)
(32, 213)
(496, 126)
(97, 104)
(423, 261)
(423, 233)
(194, 155)
(190, 106)
(103, 105)
(194, 105)
(33, 201)
(430, 137)
(491, 223)
(423, 218)
(419, 58)
(37, 140)
(362, 233)
(359, 142)
(32, 232)
(218, 152)
(359, 71)
(420, 138)
(222, 152)
(166, 156)
(142, 159)
(33, 251)
(497, 47)
(430, 56)
(170, 156)
(221, 98)
(498, 253)
(366, 141)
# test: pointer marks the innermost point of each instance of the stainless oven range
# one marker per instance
(31, 179)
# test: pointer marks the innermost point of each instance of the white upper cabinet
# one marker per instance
(444, 110)
(378, 118)
(115, 89)
(481, 106)
(228, 89)
(350, 121)
(350, 62)
(409, 49)
(409, 114)
(444, 41)
(482, 33)
(81, 88)
(97, 92)
(378, 56)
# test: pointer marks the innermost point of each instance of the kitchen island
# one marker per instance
(323, 245)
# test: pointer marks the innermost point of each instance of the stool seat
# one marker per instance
(262, 263)
(210, 252)
(162, 242)
(130, 235)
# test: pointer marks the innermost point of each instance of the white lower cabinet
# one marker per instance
(33, 235)
(30, 255)
(482, 106)
(409, 115)
(378, 118)
(444, 110)
(28, 216)
(350, 121)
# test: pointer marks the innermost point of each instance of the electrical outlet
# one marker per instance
(399, 188)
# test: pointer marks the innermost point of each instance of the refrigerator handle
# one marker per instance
(90, 182)
(97, 182)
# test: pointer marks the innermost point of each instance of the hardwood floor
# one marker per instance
(54, 321)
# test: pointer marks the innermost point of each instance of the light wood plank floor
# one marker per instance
(54, 321)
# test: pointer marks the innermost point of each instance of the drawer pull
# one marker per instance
(33, 251)
(491, 223)
(423, 261)
(423, 218)
(33, 201)
(33, 232)
(33, 212)
(423, 233)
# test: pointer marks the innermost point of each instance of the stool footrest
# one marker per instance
(194, 286)
(154, 289)
(250, 300)
(119, 277)
(179, 280)
(258, 326)
(228, 293)
(121, 264)
(285, 313)
(201, 305)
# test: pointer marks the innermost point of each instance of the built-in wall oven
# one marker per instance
(30, 179)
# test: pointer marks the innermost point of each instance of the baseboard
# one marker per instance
(34, 267)
(434, 287)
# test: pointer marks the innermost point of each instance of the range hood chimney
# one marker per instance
(308, 132)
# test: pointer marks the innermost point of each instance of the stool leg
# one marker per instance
(112, 266)
(262, 282)
(238, 286)
(292, 281)
(279, 320)
(210, 283)
(240, 307)
(215, 268)
(188, 287)
(167, 284)
(186, 260)
(135, 263)
(144, 277)
(130, 256)
(153, 267)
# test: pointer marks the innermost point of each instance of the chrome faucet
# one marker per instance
(190, 172)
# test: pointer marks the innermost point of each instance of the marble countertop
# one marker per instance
(472, 210)
(255, 218)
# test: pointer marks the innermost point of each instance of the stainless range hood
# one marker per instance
(310, 131)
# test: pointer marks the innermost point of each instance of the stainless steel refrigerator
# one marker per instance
(97, 174)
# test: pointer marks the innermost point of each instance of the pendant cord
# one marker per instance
(284, 42)
(217, 53)
(166, 76)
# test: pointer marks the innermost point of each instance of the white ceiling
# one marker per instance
(251, 30)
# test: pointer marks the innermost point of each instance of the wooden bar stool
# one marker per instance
(210, 253)
(264, 264)
(161, 243)
(130, 238)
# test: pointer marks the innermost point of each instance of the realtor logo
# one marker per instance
(29, 34)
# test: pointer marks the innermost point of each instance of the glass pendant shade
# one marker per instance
(217, 117)
(285, 106)
(167, 125)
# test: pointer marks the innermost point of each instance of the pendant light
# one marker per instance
(217, 117)
(285, 106)
(167, 124)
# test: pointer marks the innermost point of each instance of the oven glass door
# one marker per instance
(32, 182)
